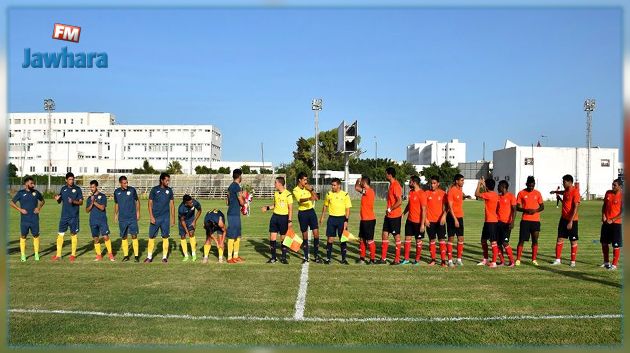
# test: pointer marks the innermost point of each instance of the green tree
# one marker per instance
(224, 170)
(375, 169)
(202, 169)
(246, 169)
(446, 171)
(266, 171)
(147, 168)
(12, 169)
(174, 168)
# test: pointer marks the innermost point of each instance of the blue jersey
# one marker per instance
(213, 217)
(234, 207)
(97, 216)
(69, 194)
(161, 201)
(126, 200)
(29, 200)
(188, 213)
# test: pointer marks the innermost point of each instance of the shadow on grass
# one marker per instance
(581, 276)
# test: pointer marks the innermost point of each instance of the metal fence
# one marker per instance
(206, 186)
(380, 190)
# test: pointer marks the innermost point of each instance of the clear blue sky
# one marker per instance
(406, 74)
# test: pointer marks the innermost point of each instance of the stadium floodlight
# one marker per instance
(589, 107)
(316, 106)
(49, 106)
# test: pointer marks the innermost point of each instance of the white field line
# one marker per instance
(300, 301)
(317, 319)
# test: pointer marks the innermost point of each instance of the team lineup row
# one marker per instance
(434, 212)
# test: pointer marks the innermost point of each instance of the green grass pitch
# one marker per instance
(397, 294)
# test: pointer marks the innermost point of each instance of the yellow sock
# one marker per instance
(150, 248)
(220, 248)
(125, 247)
(237, 245)
(108, 245)
(193, 245)
(23, 246)
(206, 249)
(97, 249)
(164, 248)
(36, 245)
(136, 246)
(184, 245)
(59, 244)
(74, 243)
(230, 248)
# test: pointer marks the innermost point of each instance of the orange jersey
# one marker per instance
(491, 199)
(394, 192)
(570, 199)
(417, 199)
(455, 196)
(530, 200)
(367, 205)
(612, 205)
(435, 203)
(506, 202)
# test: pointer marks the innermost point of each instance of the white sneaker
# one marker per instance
(556, 262)
(483, 262)
(572, 264)
(459, 262)
(493, 265)
(605, 265)
(450, 263)
(612, 268)
(205, 260)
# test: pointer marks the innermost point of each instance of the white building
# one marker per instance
(425, 153)
(92, 143)
(548, 165)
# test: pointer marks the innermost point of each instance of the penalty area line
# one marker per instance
(315, 319)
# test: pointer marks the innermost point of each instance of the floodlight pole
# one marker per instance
(589, 106)
(375, 152)
(316, 106)
(346, 170)
(49, 106)
(192, 134)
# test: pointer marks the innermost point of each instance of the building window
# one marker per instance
(54, 169)
(529, 161)
(32, 169)
(605, 162)
(95, 169)
(68, 169)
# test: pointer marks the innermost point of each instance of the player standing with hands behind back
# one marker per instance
(161, 211)
(530, 202)
(611, 223)
(338, 204)
(71, 198)
(235, 201)
(31, 202)
(393, 217)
